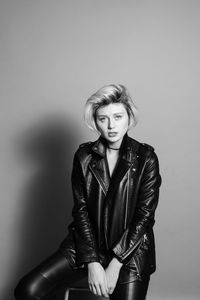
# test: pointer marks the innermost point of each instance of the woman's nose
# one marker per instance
(111, 123)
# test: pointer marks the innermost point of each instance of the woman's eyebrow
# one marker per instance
(101, 115)
(119, 113)
(105, 115)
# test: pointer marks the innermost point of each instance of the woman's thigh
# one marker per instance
(52, 274)
(135, 290)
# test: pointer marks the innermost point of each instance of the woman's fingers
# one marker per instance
(97, 279)
(111, 287)
(93, 289)
(99, 290)
(110, 290)
(104, 290)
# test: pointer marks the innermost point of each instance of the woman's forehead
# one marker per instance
(111, 108)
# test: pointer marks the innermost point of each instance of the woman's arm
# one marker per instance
(84, 234)
(145, 209)
(87, 252)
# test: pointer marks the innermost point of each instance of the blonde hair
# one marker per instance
(112, 93)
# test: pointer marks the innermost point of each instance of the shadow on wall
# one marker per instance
(46, 202)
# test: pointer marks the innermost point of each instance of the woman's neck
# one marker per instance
(112, 158)
(113, 148)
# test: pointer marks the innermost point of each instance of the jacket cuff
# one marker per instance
(117, 254)
(118, 257)
(87, 259)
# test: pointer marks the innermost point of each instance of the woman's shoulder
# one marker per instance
(85, 145)
(142, 145)
(147, 146)
(145, 151)
(84, 149)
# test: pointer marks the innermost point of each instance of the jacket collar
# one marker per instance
(128, 147)
(128, 159)
(100, 146)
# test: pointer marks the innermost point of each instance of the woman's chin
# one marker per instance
(113, 140)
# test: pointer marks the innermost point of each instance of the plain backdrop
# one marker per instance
(53, 56)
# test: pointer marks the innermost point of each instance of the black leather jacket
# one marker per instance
(114, 216)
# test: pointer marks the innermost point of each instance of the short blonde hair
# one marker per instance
(112, 93)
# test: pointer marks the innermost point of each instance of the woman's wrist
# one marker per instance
(116, 263)
(92, 264)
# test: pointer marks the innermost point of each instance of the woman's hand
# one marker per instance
(112, 274)
(97, 279)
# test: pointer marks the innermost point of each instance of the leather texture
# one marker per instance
(114, 216)
(55, 275)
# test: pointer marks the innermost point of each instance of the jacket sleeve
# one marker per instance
(86, 249)
(144, 211)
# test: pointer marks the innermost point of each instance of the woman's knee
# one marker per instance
(35, 285)
(24, 290)
(133, 290)
(32, 287)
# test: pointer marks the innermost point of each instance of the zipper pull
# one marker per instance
(145, 237)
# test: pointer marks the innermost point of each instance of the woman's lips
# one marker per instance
(112, 134)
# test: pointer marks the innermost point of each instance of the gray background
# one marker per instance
(55, 54)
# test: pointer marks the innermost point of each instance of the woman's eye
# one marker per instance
(102, 119)
(118, 117)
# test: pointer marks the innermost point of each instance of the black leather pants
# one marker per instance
(55, 273)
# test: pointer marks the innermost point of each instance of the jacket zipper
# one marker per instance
(136, 266)
(144, 237)
(126, 207)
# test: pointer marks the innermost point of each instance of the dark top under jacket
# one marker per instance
(114, 216)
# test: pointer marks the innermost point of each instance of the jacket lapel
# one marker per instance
(98, 165)
(128, 160)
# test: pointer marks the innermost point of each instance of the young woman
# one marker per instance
(115, 182)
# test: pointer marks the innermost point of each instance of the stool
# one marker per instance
(81, 291)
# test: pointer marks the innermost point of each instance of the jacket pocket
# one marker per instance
(130, 263)
(144, 257)
(139, 259)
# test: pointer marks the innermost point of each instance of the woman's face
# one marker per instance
(112, 121)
